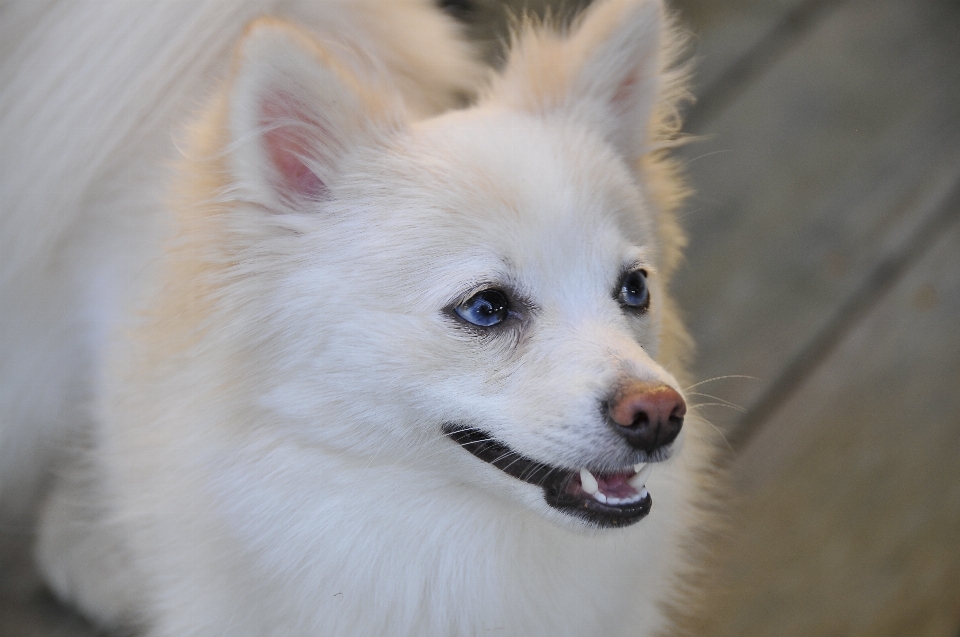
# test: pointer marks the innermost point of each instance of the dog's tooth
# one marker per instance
(643, 493)
(639, 480)
(587, 482)
(612, 500)
(637, 468)
(600, 497)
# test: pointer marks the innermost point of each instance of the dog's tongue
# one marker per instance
(624, 487)
(616, 485)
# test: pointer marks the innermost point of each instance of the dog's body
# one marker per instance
(338, 290)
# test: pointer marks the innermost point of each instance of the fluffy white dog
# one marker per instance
(370, 366)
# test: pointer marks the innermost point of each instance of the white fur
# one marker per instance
(94, 94)
(267, 456)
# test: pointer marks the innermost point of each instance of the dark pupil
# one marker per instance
(485, 309)
(634, 291)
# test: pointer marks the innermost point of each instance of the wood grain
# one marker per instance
(736, 41)
(819, 170)
(851, 516)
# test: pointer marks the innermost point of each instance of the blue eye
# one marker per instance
(633, 290)
(485, 309)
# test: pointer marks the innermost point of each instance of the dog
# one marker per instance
(375, 362)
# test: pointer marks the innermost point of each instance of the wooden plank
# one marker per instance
(851, 524)
(811, 178)
(736, 41)
(726, 31)
(937, 211)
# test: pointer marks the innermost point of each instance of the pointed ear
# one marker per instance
(606, 72)
(295, 112)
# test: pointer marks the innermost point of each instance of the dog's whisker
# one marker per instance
(705, 155)
(718, 404)
(716, 378)
(482, 441)
(517, 458)
(721, 400)
(719, 431)
(505, 455)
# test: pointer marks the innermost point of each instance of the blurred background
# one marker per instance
(822, 286)
(824, 264)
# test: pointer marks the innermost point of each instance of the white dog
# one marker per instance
(366, 368)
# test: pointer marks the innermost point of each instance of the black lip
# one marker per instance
(553, 480)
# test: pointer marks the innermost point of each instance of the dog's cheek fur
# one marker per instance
(340, 314)
(538, 382)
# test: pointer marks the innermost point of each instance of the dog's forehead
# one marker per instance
(539, 191)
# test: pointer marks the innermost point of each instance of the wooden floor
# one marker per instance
(822, 285)
(823, 273)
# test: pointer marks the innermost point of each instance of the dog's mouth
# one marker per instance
(605, 499)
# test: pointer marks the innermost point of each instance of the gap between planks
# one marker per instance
(944, 211)
(723, 90)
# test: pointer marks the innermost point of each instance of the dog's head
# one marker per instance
(488, 281)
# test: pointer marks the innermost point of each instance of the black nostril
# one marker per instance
(670, 430)
(649, 436)
(647, 416)
(640, 420)
(642, 433)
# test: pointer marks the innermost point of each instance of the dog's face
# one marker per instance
(484, 281)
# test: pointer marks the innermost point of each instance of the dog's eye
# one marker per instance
(633, 290)
(486, 308)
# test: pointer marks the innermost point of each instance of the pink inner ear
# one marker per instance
(291, 135)
(623, 98)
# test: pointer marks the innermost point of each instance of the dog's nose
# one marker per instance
(648, 416)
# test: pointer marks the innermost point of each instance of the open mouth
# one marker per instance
(606, 499)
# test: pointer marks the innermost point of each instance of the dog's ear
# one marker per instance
(294, 112)
(606, 72)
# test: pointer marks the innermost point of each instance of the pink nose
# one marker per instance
(648, 416)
